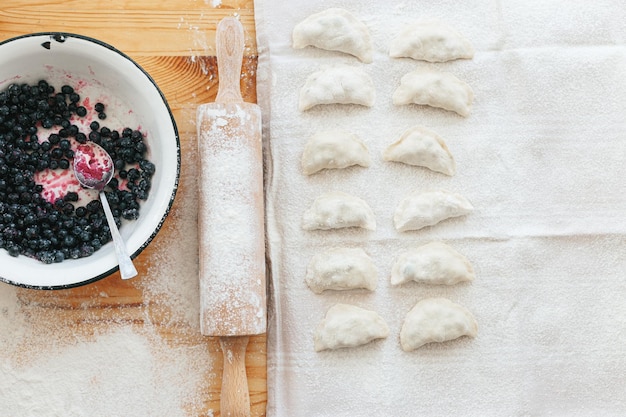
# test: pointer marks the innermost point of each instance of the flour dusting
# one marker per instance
(232, 252)
(124, 373)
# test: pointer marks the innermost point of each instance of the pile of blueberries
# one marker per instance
(53, 232)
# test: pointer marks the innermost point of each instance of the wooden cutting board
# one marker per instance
(174, 41)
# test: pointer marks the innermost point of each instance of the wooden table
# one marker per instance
(174, 41)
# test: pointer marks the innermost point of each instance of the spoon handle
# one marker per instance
(127, 269)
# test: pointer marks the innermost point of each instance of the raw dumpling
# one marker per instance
(336, 210)
(340, 84)
(346, 325)
(436, 89)
(436, 320)
(341, 269)
(334, 30)
(420, 146)
(334, 149)
(433, 263)
(422, 209)
(431, 41)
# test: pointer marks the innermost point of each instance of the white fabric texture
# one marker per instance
(541, 158)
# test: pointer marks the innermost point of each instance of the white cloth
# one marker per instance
(541, 157)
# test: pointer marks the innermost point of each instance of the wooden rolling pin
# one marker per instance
(231, 220)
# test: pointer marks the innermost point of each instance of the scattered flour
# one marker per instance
(122, 373)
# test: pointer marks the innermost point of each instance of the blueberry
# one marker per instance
(96, 244)
(94, 136)
(81, 137)
(64, 164)
(99, 107)
(69, 241)
(94, 206)
(130, 214)
(13, 250)
(133, 174)
(59, 256)
(46, 257)
(57, 153)
(86, 250)
(80, 211)
(71, 196)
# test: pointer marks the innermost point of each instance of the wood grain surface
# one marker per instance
(174, 41)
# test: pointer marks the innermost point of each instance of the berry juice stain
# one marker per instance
(57, 183)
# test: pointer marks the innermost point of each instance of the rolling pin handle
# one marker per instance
(229, 45)
(235, 397)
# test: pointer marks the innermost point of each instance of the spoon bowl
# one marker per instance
(93, 168)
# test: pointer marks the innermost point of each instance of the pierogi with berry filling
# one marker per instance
(334, 149)
(348, 326)
(422, 147)
(334, 29)
(432, 41)
(427, 208)
(433, 263)
(434, 88)
(436, 320)
(338, 210)
(337, 84)
(341, 269)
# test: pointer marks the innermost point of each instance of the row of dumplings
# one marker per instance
(337, 210)
(347, 84)
(341, 269)
(337, 29)
(339, 148)
(430, 320)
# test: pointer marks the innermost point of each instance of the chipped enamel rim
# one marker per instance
(29, 58)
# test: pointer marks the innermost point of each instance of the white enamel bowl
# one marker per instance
(62, 58)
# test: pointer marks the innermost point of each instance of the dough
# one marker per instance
(341, 269)
(430, 40)
(346, 325)
(337, 210)
(339, 84)
(422, 147)
(334, 149)
(334, 29)
(427, 86)
(433, 263)
(422, 209)
(436, 320)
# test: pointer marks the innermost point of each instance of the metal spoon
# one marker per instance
(93, 168)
